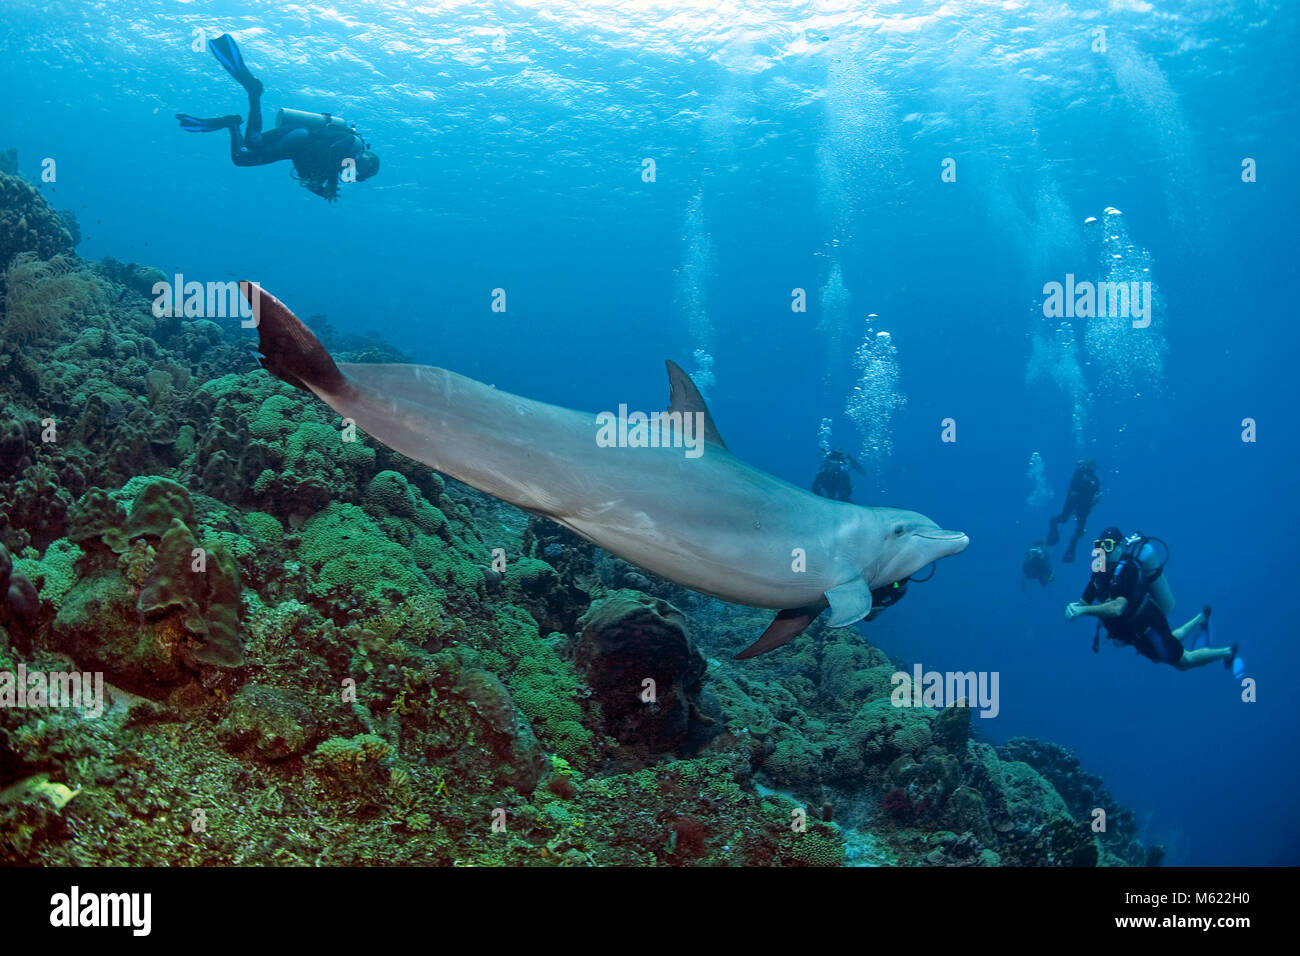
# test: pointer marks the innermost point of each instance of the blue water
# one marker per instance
(791, 139)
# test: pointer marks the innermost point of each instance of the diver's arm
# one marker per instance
(1112, 608)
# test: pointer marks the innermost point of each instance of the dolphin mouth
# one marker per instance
(957, 539)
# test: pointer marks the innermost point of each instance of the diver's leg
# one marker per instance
(278, 144)
(253, 132)
(1070, 548)
(1054, 536)
(248, 150)
(1181, 633)
(1202, 656)
(236, 145)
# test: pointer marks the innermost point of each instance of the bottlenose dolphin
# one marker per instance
(711, 523)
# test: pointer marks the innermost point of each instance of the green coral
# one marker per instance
(55, 573)
(796, 763)
(389, 493)
(349, 758)
(208, 599)
(544, 685)
(276, 418)
(314, 446)
(882, 731)
(1029, 796)
(449, 565)
(99, 625)
(266, 528)
(409, 520)
(272, 722)
(156, 504)
(817, 846)
(243, 391)
(349, 552)
(27, 221)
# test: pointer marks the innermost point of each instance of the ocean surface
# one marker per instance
(915, 169)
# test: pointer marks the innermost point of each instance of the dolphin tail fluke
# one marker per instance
(289, 350)
(785, 627)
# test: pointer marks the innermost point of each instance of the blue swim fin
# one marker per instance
(194, 124)
(227, 53)
(1235, 664)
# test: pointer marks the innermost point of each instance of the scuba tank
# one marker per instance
(300, 119)
(1136, 549)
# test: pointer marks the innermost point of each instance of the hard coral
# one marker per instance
(817, 846)
(28, 224)
(207, 596)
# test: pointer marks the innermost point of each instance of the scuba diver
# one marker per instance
(1132, 598)
(320, 146)
(832, 479)
(1084, 493)
(888, 596)
(1037, 566)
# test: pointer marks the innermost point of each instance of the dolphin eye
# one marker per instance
(898, 530)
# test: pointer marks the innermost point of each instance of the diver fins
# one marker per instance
(227, 53)
(193, 124)
(1235, 664)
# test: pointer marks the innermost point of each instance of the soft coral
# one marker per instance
(897, 804)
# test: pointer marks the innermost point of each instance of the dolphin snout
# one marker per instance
(956, 541)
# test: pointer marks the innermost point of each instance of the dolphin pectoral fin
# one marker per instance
(849, 603)
(785, 627)
(684, 396)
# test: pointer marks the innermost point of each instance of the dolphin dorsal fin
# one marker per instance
(685, 397)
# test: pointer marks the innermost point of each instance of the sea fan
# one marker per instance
(40, 294)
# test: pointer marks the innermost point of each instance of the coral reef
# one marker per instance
(27, 222)
(638, 660)
(317, 652)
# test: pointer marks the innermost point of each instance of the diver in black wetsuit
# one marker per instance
(320, 146)
(1131, 598)
(832, 479)
(1037, 566)
(1084, 493)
